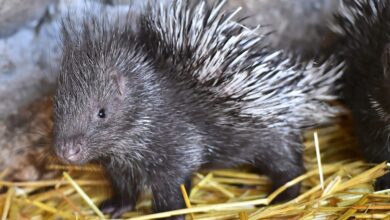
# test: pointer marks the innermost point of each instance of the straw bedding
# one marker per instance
(337, 185)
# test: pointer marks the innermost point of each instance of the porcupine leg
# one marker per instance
(375, 145)
(167, 195)
(125, 194)
(282, 162)
(381, 155)
(376, 150)
(383, 182)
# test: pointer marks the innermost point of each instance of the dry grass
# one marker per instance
(345, 190)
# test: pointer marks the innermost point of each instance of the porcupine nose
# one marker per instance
(71, 153)
(71, 150)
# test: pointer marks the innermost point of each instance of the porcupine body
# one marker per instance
(190, 89)
(364, 29)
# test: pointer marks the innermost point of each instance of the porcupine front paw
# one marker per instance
(383, 182)
(116, 207)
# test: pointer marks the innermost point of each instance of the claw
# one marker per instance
(116, 207)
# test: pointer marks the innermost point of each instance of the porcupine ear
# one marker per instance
(386, 61)
(119, 81)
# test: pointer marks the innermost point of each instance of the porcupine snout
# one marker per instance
(70, 149)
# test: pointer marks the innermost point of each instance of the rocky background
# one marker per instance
(29, 55)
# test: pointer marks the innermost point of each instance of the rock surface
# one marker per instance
(15, 14)
(297, 25)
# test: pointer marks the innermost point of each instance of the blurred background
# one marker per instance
(29, 56)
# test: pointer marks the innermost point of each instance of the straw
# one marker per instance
(344, 189)
(83, 195)
(7, 204)
(186, 199)
(318, 156)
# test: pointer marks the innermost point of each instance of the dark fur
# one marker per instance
(162, 123)
(365, 48)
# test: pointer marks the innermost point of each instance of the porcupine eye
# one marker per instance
(102, 113)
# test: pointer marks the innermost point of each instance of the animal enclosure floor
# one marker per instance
(345, 192)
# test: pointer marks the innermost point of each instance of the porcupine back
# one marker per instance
(228, 60)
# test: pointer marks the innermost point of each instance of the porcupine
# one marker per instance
(363, 27)
(190, 89)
